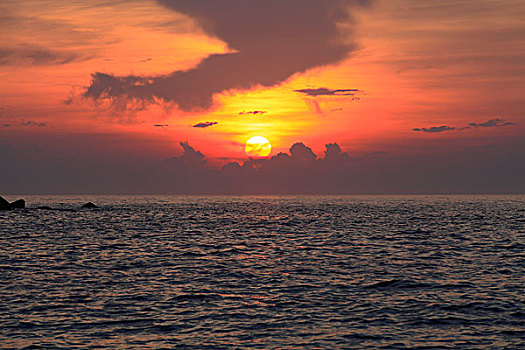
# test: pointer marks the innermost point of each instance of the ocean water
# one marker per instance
(273, 272)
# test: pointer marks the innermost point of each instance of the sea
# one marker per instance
(264, 272)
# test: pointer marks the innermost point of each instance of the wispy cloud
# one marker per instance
(328, 92)
(435, 129)
(29, 55)
(492, 123)
(253, 112)
(496, 122)
(314, 106)
(31, 123)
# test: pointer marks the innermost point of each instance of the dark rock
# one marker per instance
(89, 205)
(18, 204)
(4, 205)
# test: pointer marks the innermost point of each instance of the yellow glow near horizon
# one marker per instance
(258, 146)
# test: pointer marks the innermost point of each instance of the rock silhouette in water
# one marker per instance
(18, 204)
(89, 205)
(4, 205)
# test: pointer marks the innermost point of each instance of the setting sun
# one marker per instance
(258, 146)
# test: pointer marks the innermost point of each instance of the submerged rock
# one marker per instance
(18, 204)
(89, 205)
(4, 205)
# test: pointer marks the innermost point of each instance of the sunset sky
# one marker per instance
(161, 96)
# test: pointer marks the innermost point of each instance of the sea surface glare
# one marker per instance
(264, 273)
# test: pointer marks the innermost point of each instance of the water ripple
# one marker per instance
(264, 272)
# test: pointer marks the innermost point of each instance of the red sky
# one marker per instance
(88, 82)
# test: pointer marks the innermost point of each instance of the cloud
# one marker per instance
(491, 123)
(269, 40)
(497, 122)
(28, 123)
(313, 95)
(31, 123)
(302, 153)
(287, 170)
(253, 112)
(298, 171)
(205, 124)
(328, 92)
(190, 158)
(334, 153)
(28, 55)
(435, 129)
(315, 106)
(161, 125)
(92, 164)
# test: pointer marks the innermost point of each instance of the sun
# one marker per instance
(258, 147)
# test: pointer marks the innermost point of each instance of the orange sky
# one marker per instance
(416, 65)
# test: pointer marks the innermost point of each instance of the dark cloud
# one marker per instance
(190, 157)
(435, 129)
(312, 97)
(205, 124)
(492, 123)
(328, 92)
(161, 125)
(270, 41)
(31, 123)
(253, 112)
(104, 164)
(334, 153)
(35, 56)
(28, 123)
(299, 171)
(302, 153)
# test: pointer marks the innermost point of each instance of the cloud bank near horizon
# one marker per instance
(38, 168)
(269, 40)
